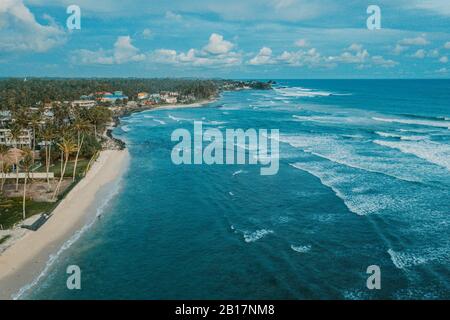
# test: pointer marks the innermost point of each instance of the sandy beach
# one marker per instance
(182, 106)
(21, 263)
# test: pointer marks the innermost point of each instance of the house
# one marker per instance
(112, 97)
(5, 117)
(169, 97)
(24, 139)
(84, 103)
(142, 95)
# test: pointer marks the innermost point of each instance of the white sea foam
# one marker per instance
(301, 92)
(301, 249)
(429, 123)
(432, 152)
(408, 259)
(159, 121)
(401, 137)
(238, 172)
(347, 153)
(125, 128)
(404, 260)
(256, 235)
(361, 203)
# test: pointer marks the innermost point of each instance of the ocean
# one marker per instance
(364, 179)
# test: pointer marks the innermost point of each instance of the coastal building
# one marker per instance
(112, 97)
(5, 117)
(169, 97)
(24, 139)
(143, 95)
(84, 103)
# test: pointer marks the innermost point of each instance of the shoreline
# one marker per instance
(24, 260)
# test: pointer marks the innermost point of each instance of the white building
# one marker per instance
(24, 139)
(84, 103)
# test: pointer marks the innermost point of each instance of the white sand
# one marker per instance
(182, 106)
(21, 263)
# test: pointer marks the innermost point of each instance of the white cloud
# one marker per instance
(441, 7)
(310, 58)
(433, 53)
(217, 45)
(357, 54)
(216, 53)
(123, 52)
(147, 33)
(447, 45)
(443, 59)
(419, 54)
(354, 54)
(264, 56)
(173, 16)
(301, 43)
(19, 30)
(417, 41)
(386, 63)
(399, 49)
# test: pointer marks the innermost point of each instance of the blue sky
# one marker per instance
(228, 39)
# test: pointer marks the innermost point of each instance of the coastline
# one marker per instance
(24, 260)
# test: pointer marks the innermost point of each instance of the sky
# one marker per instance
(239, 39)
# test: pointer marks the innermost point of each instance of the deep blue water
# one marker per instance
(364, 179)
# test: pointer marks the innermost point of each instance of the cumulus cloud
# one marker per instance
(173, 16)
(264, 56)
(357, 54)
(19, 30)
(386, 63)
(147, 33)
(216, 53)
(419, 54)
(399, 49)
(441, 7)
(301, 43)
(417, 41)
(123, 52)
(217, 45)
(310, 58)
(447, 45)
(443, 59)
(353, 54)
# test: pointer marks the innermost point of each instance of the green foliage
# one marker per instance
(90, 147)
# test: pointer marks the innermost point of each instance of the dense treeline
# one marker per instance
(28, 93)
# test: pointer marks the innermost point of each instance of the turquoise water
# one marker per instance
(364, 179)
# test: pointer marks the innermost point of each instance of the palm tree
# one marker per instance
(26, 164)
(16, 132)
(81, 126)
(4, 164)
(35, 120)
(67, 146)
(47, 135)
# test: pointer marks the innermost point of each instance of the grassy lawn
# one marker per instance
(56, 168)
(11, 210)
